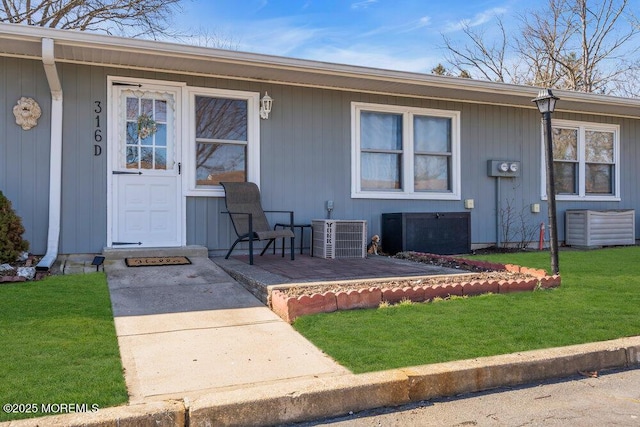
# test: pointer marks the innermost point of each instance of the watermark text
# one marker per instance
(49, 408)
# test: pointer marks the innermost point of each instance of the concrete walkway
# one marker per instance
(189, 330)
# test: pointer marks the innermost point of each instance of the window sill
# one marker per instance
(586, 198)
(205, 192)
(403, 196)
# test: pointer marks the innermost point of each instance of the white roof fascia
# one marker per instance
(176, 52)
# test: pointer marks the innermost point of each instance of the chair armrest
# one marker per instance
(290, 216)
(279, 211)
(237, 213)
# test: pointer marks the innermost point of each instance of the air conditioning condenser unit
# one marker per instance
(334, 238)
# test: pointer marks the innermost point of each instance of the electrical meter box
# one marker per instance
(503, 168)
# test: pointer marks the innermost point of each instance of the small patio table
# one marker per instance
(301, 227)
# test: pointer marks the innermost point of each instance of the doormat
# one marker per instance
(154, 261)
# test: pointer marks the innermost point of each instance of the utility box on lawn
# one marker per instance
(593, 228)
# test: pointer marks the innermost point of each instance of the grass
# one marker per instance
(59, 344)
(598, 300)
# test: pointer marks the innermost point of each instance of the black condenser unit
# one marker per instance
(444, 233)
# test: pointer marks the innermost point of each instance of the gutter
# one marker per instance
(55, 157)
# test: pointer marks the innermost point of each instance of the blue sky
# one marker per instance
(392, 34)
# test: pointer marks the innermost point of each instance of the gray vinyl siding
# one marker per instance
(305, 159)
(24, 155)
(84, 175)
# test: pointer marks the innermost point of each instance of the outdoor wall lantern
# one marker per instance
(27, 112)
(265, 106)
(546, 103)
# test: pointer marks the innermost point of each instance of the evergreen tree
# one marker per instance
(11, 242)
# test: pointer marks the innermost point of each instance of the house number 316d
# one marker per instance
(97, 133)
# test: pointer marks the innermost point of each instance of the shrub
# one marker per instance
(11, 242)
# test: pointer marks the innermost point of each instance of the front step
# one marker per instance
(188, 251)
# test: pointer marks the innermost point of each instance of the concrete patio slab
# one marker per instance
(272, 271)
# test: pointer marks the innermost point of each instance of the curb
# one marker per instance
(300, 400)
(329, 397)
(312, 399)
(449, 379)
(152, 414)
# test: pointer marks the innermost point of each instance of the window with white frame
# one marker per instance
(225, 140)
(585, 160)
(405, 152)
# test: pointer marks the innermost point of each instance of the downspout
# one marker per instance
(55, 158)
(498, 213)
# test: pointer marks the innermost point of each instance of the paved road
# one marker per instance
(611, 399)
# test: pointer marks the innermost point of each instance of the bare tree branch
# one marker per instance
(211, 38)
(604, 42)
(487, 59)
(125, 17)
(582, 45)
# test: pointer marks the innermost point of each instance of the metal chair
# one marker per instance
(242, 200)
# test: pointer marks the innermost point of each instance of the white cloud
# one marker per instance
(407, 27)
(393, 46)
(476, 20)
(280, 36)
(262, 4)
(425, 21)
(367, 56)
(363, 4)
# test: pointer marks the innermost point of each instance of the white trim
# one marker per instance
(581, 127)
(253, 139)
(408, 160)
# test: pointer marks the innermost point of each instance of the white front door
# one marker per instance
(145, 156)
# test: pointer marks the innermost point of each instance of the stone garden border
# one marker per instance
(23, 270)
(290, 308)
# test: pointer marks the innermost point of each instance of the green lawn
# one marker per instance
(599, 300)
(59, 344)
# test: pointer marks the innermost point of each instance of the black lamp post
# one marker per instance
(546, 103)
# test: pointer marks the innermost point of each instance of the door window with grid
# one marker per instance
(147, 146)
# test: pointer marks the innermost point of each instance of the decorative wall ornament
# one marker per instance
(27, 113)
